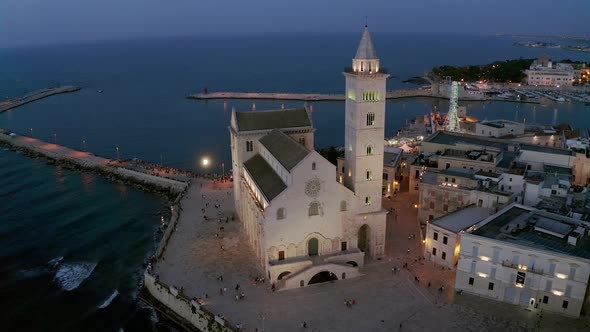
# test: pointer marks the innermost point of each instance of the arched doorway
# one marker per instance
(322, 277)
(313, 247)
(282, 275)
(364, 238)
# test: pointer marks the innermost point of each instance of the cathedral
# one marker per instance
(308, 220)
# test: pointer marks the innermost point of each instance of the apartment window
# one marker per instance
(435, 236)
(568, 291)
(545, 299)
(480, 203)
(496, 257)
(313, 166)
(553, 192)
(520, 278)
(369, 150)
(444, 255)
(417, 175)
(493, 273)
(448, 166)
(446, 208)
(343, 169)
(370, 119)
(249, 146)
(564, 304)
(453, 180)
(281, 213)
(446, 179)
(515, 260)
(433, 251)
(445, 240)
(471, 281)
(281, 255)
(430, 217)
(475, 251)
(491, 286)
(510, 179)
(548, 285)
(385, 176)
(552, 269)
(343, 246)
(472, 270)
(369, 175)
(572, 274)
(431, 205)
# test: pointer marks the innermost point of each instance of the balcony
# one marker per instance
(521, 267)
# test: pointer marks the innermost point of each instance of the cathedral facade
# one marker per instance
(306, 221)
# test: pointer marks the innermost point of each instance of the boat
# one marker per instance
(99, 91)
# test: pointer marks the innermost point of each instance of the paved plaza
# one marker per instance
(199, 251)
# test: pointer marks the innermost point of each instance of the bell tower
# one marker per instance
(365, 126)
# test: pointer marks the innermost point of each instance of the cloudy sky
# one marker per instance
(26, 22)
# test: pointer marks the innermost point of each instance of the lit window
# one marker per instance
(520, 277)
(370, 119)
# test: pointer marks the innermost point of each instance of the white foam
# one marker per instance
(71, 275)
(108, 301)
(54, 262)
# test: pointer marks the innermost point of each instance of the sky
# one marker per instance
(31, 22)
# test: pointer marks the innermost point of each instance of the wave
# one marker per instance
(70, 275)
(108, 301)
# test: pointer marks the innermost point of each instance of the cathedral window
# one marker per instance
(343, 206)
(368, 200)
(281, 213)
(313, 166)
(350, 147)
(370, 119)
(369, 175)
(302, 140)
(369, 150)
(314, 209)
(249, 146)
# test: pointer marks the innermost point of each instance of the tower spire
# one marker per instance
(366, 49)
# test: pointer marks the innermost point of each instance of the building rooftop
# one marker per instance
(529, 227)
(461, 219)
(478, 155)
(265, 177)
(460, 172)
(392, 156)
(285, 149)
(261, 120)
(443, 137)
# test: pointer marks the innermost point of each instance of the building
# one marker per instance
(498, 128)
(443, 235)
(528, 257)
(546, 73)
(448, 190)
(581, 169)
(305, 223)
(392, 165)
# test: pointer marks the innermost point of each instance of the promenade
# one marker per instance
(36, 95)
(201, 250)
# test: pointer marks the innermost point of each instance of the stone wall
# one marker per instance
(188, 310)
(173, 185)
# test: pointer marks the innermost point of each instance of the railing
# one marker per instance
(522, 267)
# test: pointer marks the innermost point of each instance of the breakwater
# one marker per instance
(35, 95)
(303, 96)
(144, 175)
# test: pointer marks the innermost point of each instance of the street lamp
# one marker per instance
(205, 162)
(31, 132)
(84, 144)
(117, 152)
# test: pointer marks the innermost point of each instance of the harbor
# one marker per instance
(35, 95)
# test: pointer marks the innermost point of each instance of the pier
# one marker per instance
(148, 176)
(35, 95)
(303, 96)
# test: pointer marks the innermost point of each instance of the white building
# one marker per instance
(499, 128)
(544, 72)
(443, 235)
(529, 257)
(305, 223)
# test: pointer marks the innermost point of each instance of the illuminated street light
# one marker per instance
(205, 162)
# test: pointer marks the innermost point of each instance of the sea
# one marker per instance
(73, 245)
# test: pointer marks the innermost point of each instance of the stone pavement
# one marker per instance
(386, 301)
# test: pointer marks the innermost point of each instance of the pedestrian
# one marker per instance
(408, 250)
(304, 324)
(237, 286)
(220, 290)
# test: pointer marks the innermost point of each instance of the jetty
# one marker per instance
(148, 176)
(35, 95)
(303, 96)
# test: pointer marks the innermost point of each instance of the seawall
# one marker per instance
(36, 95)
(75, 159)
